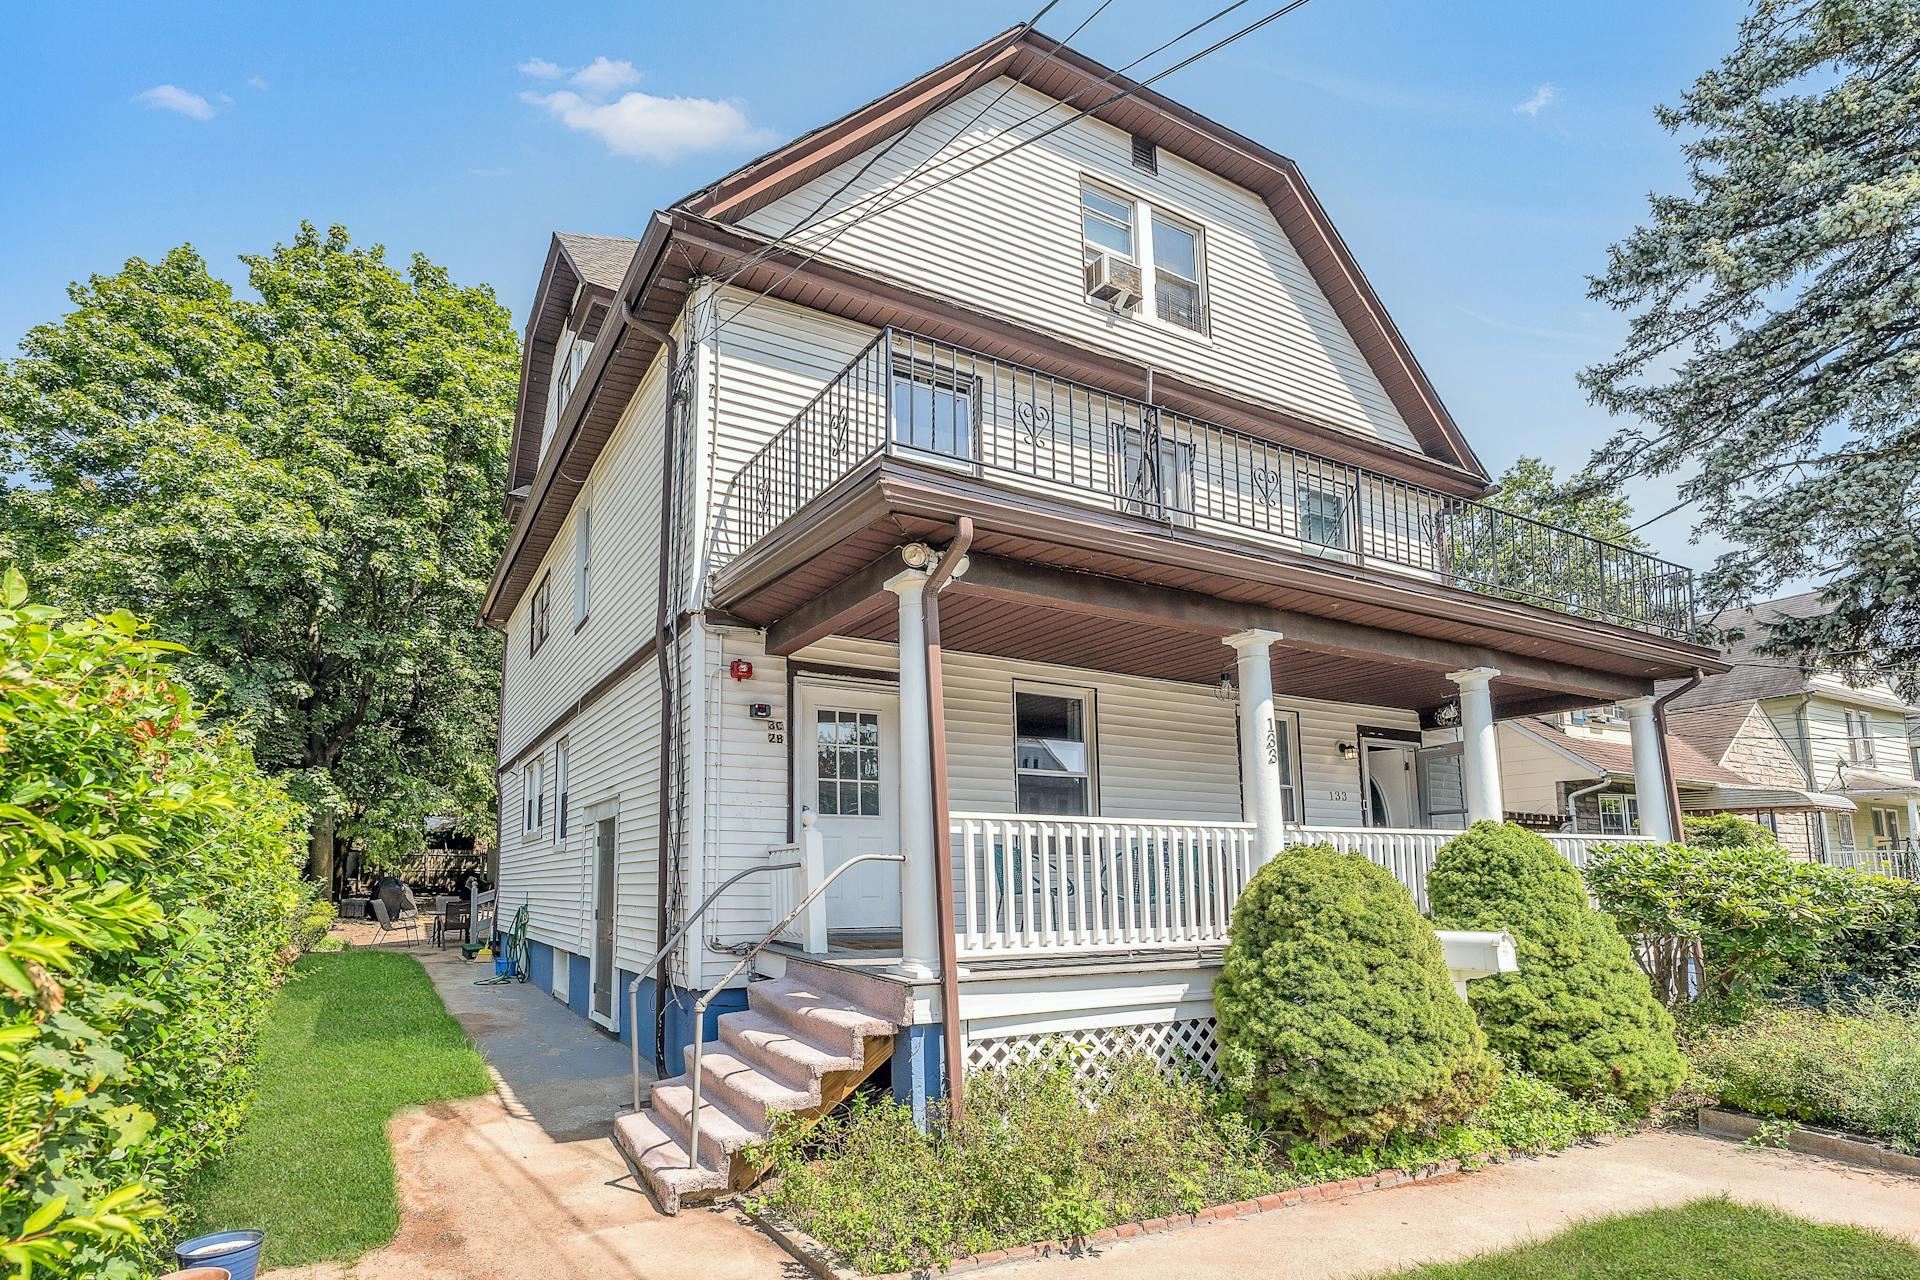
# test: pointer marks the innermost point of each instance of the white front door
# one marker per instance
(846, 771)
(1392, 796)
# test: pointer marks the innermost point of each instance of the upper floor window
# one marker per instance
(1607, 714)
(1053, 750)
(583, 566)
(1107, 222)
(1323, 514)
(1156, 482)
(560, 781)
(934, 406)
(1860, 737)
(537, 616)
(533, 783)
(1176, 274)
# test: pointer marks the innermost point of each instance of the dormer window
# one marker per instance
(569, 362)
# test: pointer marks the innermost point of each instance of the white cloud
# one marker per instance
(604, 77)
(170, 97)
(257, 82)
(541, 69)
(488, 173)
(639, 124)
(1544, 96)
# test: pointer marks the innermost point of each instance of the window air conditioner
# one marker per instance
(1113, 280)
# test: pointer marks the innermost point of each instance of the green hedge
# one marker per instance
(1579, 1012)
(149, 880)
(1338, 1020)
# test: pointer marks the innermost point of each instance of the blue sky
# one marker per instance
(1478, 158)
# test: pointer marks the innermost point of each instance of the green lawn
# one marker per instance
(1705, 1240)
(354, 1038)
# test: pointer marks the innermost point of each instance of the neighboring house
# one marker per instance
(1574, 772)
(1215, 579)
(1849, 738)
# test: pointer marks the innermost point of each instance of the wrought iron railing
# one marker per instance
(931, 402)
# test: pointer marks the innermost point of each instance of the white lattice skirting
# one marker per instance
(1182, 1045)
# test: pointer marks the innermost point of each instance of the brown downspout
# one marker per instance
(942, 841)
(1666, 761)
(664, 624)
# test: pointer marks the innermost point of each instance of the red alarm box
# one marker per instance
(740, 669)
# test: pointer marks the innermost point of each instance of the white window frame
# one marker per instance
(1859, 736)
(1286, 737)
(561, 781)
(1174, 495)
(1886, 827)
(1622, 817)
(533, 796)
(1305, 485)
(583, 566)
(1843, 833)
(539, 621)
(1143, 212)
(1090, 247)
(1088, 707)
(1199, 281)
(1606, 713)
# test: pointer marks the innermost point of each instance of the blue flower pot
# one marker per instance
(238, 1252)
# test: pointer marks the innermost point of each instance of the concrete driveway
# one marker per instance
(525, 1182)
(1455, 1217)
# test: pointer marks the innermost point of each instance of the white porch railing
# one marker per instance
(1025, 885)
(786, 889)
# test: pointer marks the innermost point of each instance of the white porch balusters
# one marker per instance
(919, 913)
(1649, 768)
(1480, 745)
(1259, 748)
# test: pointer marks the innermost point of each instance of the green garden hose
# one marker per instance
(513, 951)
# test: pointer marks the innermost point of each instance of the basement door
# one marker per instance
(845, 767)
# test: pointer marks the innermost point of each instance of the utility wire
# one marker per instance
(1247, 30)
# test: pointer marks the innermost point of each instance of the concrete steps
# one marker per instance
(801, 1045)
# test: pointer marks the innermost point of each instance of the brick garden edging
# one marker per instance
(828, 1265)
(1811, 1140)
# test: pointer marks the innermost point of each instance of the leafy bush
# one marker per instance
(148, 884)
(1338, 1020)
(1579, 1012)
(1880, 950)
(1753, 914)
(1034, 1161)
(1725, 831)
(1858, 1071)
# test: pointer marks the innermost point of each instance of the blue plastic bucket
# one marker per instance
(237, 1251)
(502, 966)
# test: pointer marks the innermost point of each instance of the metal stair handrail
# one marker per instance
(700, 1007)
(673, 940)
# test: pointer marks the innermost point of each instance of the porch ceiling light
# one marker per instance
(917, 555)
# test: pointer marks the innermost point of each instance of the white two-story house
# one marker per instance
(1011, 524)
(1847, 731)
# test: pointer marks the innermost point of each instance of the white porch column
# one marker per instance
(1259, 750)
(1913, 821)
(919, 913)
(1649, 768)
(1479, 744)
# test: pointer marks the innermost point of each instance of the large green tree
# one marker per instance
(301, 483)
(1530, 488)
(1773, 356)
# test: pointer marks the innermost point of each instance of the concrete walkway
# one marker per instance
(525, 1182)
(1451, 1218)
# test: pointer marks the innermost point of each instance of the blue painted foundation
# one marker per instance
(918, 1068)
(540, 964)
(580, 985)
(679, 1035)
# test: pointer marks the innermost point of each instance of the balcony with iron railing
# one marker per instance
(941, 406)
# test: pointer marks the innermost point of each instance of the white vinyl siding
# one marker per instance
(1010, 238)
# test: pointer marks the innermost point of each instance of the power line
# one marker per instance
(1247, 30)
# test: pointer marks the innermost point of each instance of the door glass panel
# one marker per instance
(847, 754)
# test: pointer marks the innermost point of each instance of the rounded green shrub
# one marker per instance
(1337, 1018)
(1579, 1013)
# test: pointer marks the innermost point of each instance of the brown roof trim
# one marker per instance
(1053, 68)
(619, 361)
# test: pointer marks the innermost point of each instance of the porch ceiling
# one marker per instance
(1112, 592)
